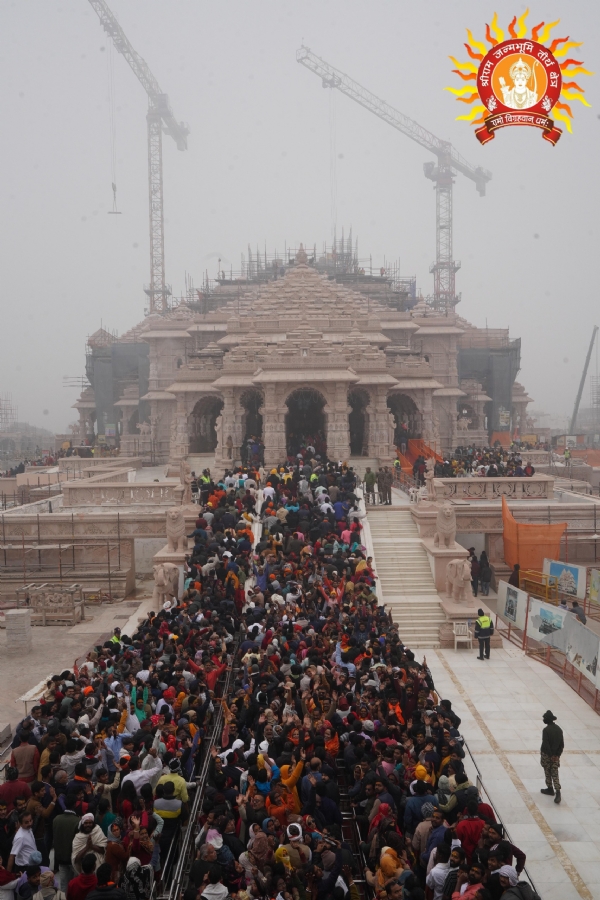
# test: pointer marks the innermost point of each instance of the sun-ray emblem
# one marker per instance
(518, 81)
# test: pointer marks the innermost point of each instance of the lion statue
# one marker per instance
(166, 583)
(458, 580)
(445, 526)
(176, 537)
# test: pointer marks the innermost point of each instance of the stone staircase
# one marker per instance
(405, 577)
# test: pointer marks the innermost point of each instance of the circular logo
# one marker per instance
(518, 75)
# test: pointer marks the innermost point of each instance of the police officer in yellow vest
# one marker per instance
(484, 629)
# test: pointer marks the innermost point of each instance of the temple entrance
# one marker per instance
(467, 419)
(132, 422)
(305, 423)
(407, 419)
(358, 400)
(252, 450)
(201, 425)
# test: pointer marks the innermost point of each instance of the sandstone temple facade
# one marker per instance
(366, 375)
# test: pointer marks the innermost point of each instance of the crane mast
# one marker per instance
(442, 173)
(159, 118)
(582, 382)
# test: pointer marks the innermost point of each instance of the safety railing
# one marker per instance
(182, 849)
(351, 832)
(483, 792)
(405, 482)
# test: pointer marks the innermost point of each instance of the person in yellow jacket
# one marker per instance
(484, 629)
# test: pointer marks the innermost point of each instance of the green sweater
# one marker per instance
(64, 830)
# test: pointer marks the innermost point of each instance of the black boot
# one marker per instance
(548, 790)
(558, 798)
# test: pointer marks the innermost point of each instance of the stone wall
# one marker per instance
(163, 493)
(468, 489)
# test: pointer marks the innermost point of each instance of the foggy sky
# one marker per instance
(258, 171)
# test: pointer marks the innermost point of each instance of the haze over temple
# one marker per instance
(294, 350)
(245, 596)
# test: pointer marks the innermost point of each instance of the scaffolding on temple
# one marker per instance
(340, 261)
(8, 412)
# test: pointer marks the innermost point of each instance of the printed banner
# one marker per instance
(595, 585)
(545, 624)
(582, 647)
(571, 579)
(562, 630)
(512, 605)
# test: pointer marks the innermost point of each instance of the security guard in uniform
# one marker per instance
(484, 629)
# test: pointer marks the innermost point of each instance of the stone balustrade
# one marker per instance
(538, 487)
(536, 457)
(112, 493)
(69, 464)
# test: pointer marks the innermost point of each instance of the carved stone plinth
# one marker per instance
(18, 629)
(439, 557)
(164, 556)
(167, 556)
(462, 612)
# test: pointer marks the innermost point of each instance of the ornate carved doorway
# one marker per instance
(358, 400)
(305, 422)
(201, 425)
(407, 418)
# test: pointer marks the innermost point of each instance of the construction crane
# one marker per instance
(159, 118)
(449, 162)
(582, 382)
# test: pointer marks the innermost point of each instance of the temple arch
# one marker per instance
(408, 421)
(252, 448)
(132, 422)
(251, 402)
(358, 421)
(467, 418)
(305, 421)
(201, 424)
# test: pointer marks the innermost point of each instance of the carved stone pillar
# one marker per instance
(430, 435)
(228, 426)
(85, 426)
(381, 427)
(273, 428)
(180, 439)
(338, 432)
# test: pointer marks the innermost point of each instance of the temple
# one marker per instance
(348, 363)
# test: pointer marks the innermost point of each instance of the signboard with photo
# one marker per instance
(512, 605)
(595, 585)
(545, 623)
(562, 630)
(572, 580)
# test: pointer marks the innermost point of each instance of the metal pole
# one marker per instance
(109, 581)
(524, 647)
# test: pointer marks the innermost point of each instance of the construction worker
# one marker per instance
(484, 629)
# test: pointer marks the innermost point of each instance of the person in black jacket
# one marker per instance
(106, 889)
(551, 750)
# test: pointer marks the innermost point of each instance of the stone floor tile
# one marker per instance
(583, 851)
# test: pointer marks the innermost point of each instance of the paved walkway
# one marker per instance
(56, 647)
(501, 703)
